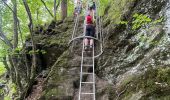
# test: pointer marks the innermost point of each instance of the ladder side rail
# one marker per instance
(81, 72)
(96, 14)
(82, 59)
(75, 31)
(75, 26)
(94, 95)
(101, 36)
(100, 27)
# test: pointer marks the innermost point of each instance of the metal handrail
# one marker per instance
(98, 27)
(74, 31)
(82, 37)
(94, 90)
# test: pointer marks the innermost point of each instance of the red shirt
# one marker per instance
(89, 19)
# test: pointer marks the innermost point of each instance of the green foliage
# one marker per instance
(140, 20)
(1, 91)
(17, 50)
(123, 22)
(43, 51)
(103, 6)
(37, 51)
(158, 20)
(13, 88)
(3, 49)
(2, 69)
(7, 98)
(39, 16)
(70, 7)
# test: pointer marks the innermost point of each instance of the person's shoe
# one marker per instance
(91, 47)
(85, 48)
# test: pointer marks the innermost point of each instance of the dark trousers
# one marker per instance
(90, 30)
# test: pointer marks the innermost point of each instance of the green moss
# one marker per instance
(60, 39)
(163, 75)
(60, 35)
(54, 92)
(117, 9)
(57, 74)
(124, 82)
(112, 93)
(63, 60)
(154, 83)
(163, 98)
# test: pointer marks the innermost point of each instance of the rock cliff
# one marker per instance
(136, 59)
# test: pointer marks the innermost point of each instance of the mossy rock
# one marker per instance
(117, 9)
(154, 83)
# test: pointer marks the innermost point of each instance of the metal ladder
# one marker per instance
(89, 93)
(86, 65)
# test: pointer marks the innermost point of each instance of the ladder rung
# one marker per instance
(87, 51)
(86, 73)
(87, 82)
(88, 57)
(87, 65)
(87, 93)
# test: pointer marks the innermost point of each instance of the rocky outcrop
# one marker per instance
(132, 54)
(135, 62)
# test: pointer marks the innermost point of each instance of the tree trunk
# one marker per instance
(33, 67)
(5, 63)
(37, 12)
(14, 68)
(13, 75)
(63, 9)
(7, 66)
(34, 63)
(55, 8)
(15, 24)
(0, 19)
(5, 39)
(15, 45)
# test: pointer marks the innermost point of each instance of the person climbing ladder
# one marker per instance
(78, 8)
(90, 31)
(92, 8)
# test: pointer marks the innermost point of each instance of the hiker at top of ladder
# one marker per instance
(78, 8)
(90, 31)
(92, 8)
